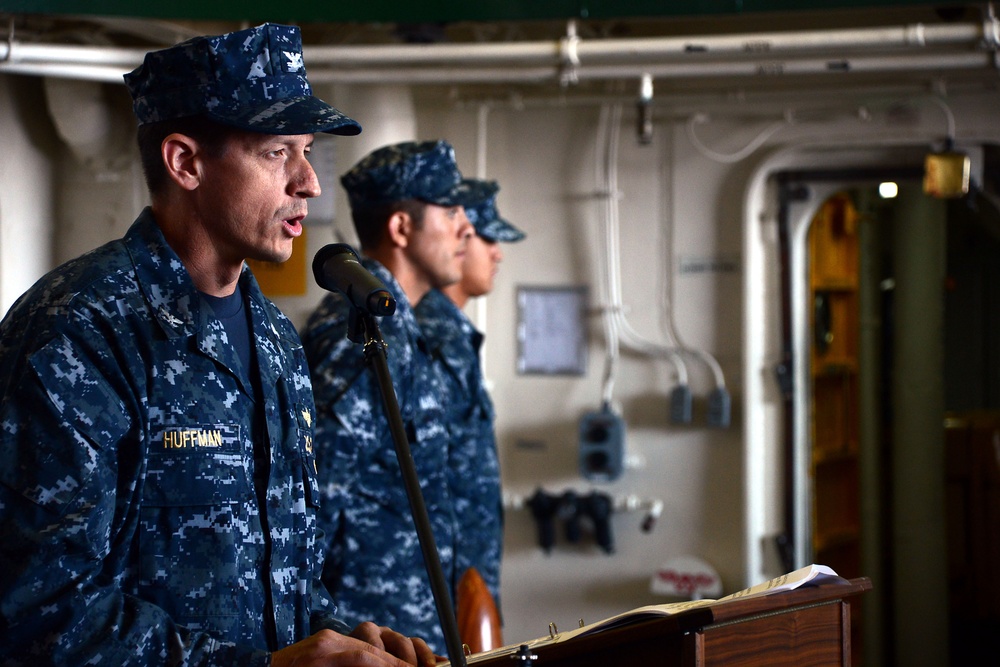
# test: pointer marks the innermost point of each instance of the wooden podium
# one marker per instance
(809, 626)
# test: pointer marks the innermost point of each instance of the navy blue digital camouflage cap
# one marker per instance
(251, 79)
(424, 170)
(485, 217)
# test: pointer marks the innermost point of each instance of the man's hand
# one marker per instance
(411, 649)
(368, 646)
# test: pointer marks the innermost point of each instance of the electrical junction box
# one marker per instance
(602, 446)
(680, 405)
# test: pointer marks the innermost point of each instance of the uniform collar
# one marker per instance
(442, 322)
(378, 270)
(163, 278)
(177, 306)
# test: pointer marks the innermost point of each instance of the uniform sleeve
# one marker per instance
(323, 614)
(323, 617)
(474, 475)
(69, 478)
(337, 451)
(479, 509)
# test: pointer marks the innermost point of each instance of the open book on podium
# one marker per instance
(811, 576)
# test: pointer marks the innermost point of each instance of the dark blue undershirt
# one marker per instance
(235, 318)
(229, 310)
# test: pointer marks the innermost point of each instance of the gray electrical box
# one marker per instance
(602, 446)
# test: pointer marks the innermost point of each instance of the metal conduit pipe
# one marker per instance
(14, 52)
(910, 36)
(762, 69)
(916, 35)
(772, 69)
(99, 73)
(542, 61)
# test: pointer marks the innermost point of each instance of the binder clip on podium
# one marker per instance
(336, 267)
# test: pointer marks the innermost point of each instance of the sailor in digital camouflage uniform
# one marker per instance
(157, 474)
(455, 343)
(407, 204)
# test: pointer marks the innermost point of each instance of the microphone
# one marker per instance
(336, 268)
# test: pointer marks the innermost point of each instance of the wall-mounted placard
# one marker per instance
(551, 330)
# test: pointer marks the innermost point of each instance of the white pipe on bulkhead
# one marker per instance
(571, 58)
(657, 48)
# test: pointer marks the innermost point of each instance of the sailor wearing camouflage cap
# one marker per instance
(486, 220)
(407, 202)
(158, 417)
(456, 344)
(424, 170)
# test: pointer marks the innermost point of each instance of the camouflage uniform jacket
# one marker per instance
(374, 566)
(130, 533)
(474, 471)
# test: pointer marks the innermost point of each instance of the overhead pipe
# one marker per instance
(463, 75)
(636, 49)
(98, 73)
(571, 59)
(15, 52)
(552, 52)
(748, 68)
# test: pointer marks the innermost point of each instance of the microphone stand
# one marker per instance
(363, 328)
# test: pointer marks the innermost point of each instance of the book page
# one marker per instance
(811, 574)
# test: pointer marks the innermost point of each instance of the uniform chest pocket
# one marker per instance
(197, 465)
